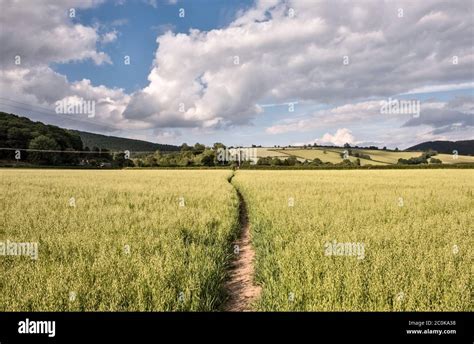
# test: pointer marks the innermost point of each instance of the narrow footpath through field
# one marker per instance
(240, 287)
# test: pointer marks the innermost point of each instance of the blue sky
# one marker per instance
(184, 85)
(138, 24)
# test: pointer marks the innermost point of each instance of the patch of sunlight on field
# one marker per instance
(311, 154)
(416, 227)
(389, 157)
(269, 152)
(364, 162)
(135, 240)
(449, 158)
(325, 156)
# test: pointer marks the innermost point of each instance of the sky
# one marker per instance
(269, 72)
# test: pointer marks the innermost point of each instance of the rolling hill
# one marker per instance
(369, 156)
(18, 132)
(114, 143)
(465, 147)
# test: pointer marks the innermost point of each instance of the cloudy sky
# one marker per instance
(270, 72)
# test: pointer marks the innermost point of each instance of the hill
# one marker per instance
(24, 141)
(114, 143)
(22, 133)
(374, 157)
(447, 147)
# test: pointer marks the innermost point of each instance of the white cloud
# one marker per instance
(282, 58)
(441, 88)
(43, 33)
(109, 37)
(346, 113)
(52, 37)
(433, 112)
(341, 137)
(166, 136)
(195, 82)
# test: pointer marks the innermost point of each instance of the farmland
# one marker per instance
(116, 240)
(152, 240)
(377, 157)
(416, 228)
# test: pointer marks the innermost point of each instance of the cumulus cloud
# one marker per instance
(41, 87)
(43, 33)
(275, 51)
(340, 137)
(282, 56)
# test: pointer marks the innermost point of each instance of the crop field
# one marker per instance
(153, 240)
(311, 154)
(378, 157)
(332, 156)
(362, 240)
(116, 240)
(269, 152)
(389, 157)
(450, 159)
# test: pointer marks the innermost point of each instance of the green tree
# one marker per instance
(218, 145)
(207, 160)
(184, 147)
(43, 142)
(199, 148)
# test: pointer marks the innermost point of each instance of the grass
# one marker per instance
(416, 227)
(127, 245)
(270, 152)
(448, 159)
(389, 156)
(311, 154)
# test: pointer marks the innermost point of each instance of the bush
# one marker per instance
(414, 161)
(264, 161)
(291, 161)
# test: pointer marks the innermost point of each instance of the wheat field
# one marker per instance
(156, 240)
(116, 240)
(416, 228)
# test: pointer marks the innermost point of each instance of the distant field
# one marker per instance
(325, 155)
(130, 243)
(332, 155)
(390, 157)
(269, 152)
(311, 154)
(416, 227)
(448, 159)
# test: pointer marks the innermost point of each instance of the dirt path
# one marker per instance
(240, 288)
